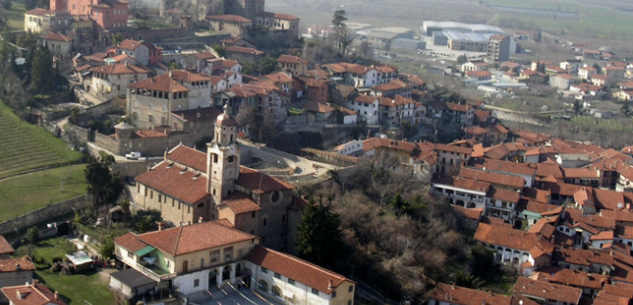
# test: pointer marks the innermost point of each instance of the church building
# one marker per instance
(190, 186)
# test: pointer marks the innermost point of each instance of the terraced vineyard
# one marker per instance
(25, 147)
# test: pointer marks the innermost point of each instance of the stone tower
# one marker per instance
(223, 154)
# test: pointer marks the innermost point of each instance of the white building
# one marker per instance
(295, 281)
(367, 108)
(110, 81)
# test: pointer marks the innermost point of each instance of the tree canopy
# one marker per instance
(320, 239)
(102, 183)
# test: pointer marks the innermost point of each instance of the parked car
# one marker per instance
(133, 155)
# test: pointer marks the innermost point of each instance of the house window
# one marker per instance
(228, 253)
(334, 294)
(351, 288)
(253, 215)
(264, 270)
(315, 291)
(277, 275)
(196, 283)
(130, 254)
(265, 221)
(291, 281)
(214, 256)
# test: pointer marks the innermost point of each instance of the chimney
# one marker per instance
(161, 226)
(56, 295)
(330, 283)
(18, 267)
(200, 219)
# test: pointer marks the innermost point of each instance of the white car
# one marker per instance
(133, 155)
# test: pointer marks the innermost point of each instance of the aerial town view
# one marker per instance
(316, 152)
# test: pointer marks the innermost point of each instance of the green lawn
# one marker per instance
(76, 289)
(25, 146)
(15, 15)
(29, 192)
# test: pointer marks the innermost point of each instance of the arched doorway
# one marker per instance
(262, 285)
(276, 291)
(213, 277)
(226, 273)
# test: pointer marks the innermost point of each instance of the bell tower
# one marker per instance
(223, 158)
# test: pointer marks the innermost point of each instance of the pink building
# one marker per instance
(110, 15)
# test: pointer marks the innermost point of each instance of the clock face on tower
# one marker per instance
(232, 149)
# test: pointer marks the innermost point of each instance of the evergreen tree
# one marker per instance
(42, 74)
(320, 239)
(625, 108)
(102, 184)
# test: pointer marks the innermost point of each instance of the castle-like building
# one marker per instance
(109, 15)
(189, 186)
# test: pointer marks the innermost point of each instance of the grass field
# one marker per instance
(29, 192)
(15, 15)
(25, 147)
(77, 288)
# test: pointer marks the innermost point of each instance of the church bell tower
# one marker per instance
(223, 158)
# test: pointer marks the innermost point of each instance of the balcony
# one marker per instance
(154, 272)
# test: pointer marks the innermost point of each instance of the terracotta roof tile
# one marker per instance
(11, 264)
(461, 183)
(278, 16)
(493, 178)
(129, 44)
(130, 242)
(473, 214)
(451, 294)
(229, 18)
(120, 68)
(244, 50)
(241, 203)
(572, 278)
(582, 257)
(193, 238)
(458, 107)
(188, 157)
(285, 58)
(506, 236)
(550, 291)
(297, 269)
(54, 36)
(5, 247)
(175, 181)
(39, 12)
(260, 182)
(35, 294)
(453, 148)
(161, 83)
(503, 195)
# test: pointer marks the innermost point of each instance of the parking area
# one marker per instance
(229, 295)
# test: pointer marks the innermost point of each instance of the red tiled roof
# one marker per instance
(297, 269)
(451, 294)
(5, 247)
(129, 44)
(478, 73)
(241, 203)
(549, 291)
(35, 294)
(175, 181)
(244, 50)
(582, 257)
(285, 58)
(203, 55)
(39, 12)
(365, 99)
(194, 238)
(260, 182)
(11, 264)
(314, 106)
(493, 178)
(229, 18)
(392, 85)
(526, 169)
(508, 237)
(54, 36)
(476, 130)
(120, 68)
(503, 195)
(572, 278)
(130, 242)
(188, 157)
(461, 183)
(162, 83)
(453, 148)
(458, 107)
(278, 16)
(397, 100)
(474, 214)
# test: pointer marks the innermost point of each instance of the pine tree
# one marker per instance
(320, 239)
(42, 74)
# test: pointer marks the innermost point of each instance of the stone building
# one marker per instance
(191, 186)
(150, 101)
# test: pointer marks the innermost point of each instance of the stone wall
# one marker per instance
(42, 215)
